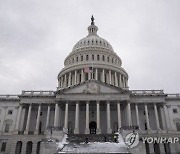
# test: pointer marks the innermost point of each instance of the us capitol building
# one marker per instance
(92, 98)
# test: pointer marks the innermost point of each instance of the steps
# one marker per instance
(78, 138)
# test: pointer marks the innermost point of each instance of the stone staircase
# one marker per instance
(80, 138)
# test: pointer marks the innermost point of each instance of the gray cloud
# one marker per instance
(37, 35)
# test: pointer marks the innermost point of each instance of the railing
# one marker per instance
(9, 96)
(145, 92)
(173, 95)
(48, 93)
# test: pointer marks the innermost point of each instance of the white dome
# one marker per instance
(92, 41)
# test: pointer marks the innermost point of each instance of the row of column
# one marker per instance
(98, 131)
(147, 116)
(56, 118)
(73, 78)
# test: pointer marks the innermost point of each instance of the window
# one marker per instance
(82, 58)
(108, 59)
(97, 57)
(92, 57)
(7, 127)
(178, 126)
(174, 110)
(177, 123)
(77, 59)
(103, 58)
(87, 57)
(3, 148)
(10, 112)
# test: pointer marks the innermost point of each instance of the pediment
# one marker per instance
(92, 87)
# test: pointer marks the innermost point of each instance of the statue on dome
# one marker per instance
(92, 20)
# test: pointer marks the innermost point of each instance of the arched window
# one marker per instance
(156, 148)
(167, 148)
(147, 148)
(3, 147)
(87, 57)
(29, 147)
(38, 147)
(76, 59)
(98, 57)
(92, 57)
(81, 57)
(18, 147)
(103, 58)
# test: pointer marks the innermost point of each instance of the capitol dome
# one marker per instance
(92, 58)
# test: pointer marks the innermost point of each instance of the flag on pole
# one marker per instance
(88, 69)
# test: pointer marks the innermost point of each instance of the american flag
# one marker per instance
(88, 69)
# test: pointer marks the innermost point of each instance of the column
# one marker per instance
(98, 130)
(82, 75)
(61, 81)
(65, 81)
(109, 130)
(38, 120)
(147, 117)
(116, 81)
(18, 119)
(66, 118)
(75, 77)
(156, 116)
(28, 119)
(87, 118)
(165, 115)
(122, 78)
(96, 74)
(137, 116)
(125, 81)
(120, 81)
(89, 75)
(56, 115)
(69, 80)
(129, 114)
(103, 77)
(76, 130)
(48, 115)
(119, 115)
(110, 80)
(3, 118)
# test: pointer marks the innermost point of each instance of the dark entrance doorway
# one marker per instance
(92, 127)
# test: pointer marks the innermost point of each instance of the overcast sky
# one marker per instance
(37, 35)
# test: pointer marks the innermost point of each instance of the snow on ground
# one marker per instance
(95, 147)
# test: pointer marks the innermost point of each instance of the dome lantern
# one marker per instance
(92, 28)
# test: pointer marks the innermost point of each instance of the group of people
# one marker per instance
(105, 139)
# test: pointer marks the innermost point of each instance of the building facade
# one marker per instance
(92, 97)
